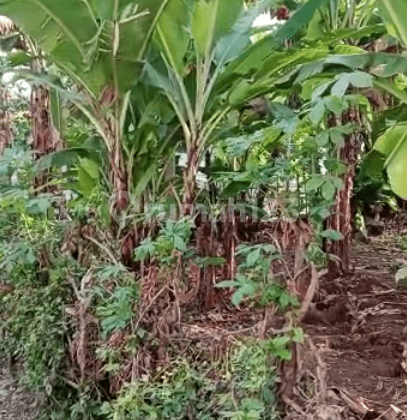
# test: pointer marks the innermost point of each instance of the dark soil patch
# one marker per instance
(363, 350)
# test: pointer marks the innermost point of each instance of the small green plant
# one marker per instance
(116, 311)
(254, 277)
(173, 237)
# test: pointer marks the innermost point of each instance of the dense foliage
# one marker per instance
(147, 148)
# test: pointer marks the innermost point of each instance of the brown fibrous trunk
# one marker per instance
(190, 181)
(44, 137)
(342, 217)
(5, 122)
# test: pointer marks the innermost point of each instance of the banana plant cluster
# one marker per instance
(195, 53)
(150, 74)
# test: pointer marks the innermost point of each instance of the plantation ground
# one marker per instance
(361, 335)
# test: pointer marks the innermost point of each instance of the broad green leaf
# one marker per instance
(68, 157)
(396, 166)
(341, 86)
(315, 182)
(357, 79)
(322, 139)
(348, 49)
(86, 182)
(88, 41)
(299, 20)
(317, 112)
(237, 297)
(270, 69)
(230, 46)
(236, 187)
(235, 42)
(238, 146)
(289, 125)
(259, 52)
(335, 104)
(386, 143)
(280, 341)
(328, 191)
(281, 111)
(309, 86)
(54, 23)
(211, 20)
(38, 205)
(282, 353)
(336, 136)
(248, 289)
(391, 88)
(379, 64)
(19, 58)
(180, 244)
(314, 30)
(253, 258)
(336, 181)
(331, 234)
(91, 167)
(360, 79)
(397, 12)
(372, 166)
(298, 335)
(320, 90)
(157, 78)
(172, 33)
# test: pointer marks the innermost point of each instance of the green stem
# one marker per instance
(181, 84)
(210, 126)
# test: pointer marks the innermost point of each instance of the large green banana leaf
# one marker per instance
(99, 42)
(393, 143)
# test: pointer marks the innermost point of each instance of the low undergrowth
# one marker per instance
(241, 387)
(77, 324)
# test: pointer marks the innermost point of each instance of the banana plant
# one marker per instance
(206, 65)
(393, 143)
(100, 45)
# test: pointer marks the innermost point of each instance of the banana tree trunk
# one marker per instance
(118, 172)
(190, 181)
(342, 217)
(120, 178)
(5, 122)
(44, 137)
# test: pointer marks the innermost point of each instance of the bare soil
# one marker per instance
(359, 332)
(16, 401)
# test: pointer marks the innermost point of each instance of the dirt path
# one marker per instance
(16, 402)
(363, 333)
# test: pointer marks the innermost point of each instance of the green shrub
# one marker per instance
(36, 332)
(243, 388)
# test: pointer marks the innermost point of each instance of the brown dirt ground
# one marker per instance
(16, 402)
(359, 337)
